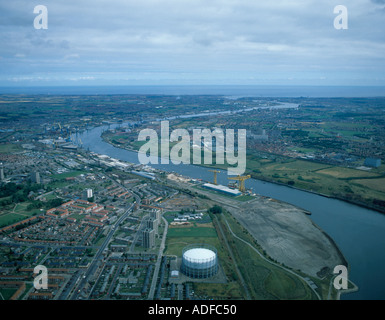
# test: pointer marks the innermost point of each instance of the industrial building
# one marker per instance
(222, 189)
(147, 175)
(199, 261)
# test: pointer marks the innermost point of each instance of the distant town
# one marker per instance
(111, 229)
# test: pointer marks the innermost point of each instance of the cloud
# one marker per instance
(378, 1)
(217, 40)
(82, 78)
(71, 56)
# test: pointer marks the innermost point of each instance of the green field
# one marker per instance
(71, 174)
(59, 180)
(9, 218)
(339, 172)
(229, 291)
(374, 184)
(265, 280)
(21, 208)
(7, 293)
(20, 213)
(341, 182)
(10, 147)
(188, 232)
(174, 246)
(244, 198)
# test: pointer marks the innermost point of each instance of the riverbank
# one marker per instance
(357, 203)
(355, 229)
(365, 205)
(304, 245)
(285, 232)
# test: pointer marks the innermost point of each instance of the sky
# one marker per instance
(192, 42)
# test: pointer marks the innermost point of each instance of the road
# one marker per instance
(158, 261)
(341, 291)
(242, 280)
(99, 255)
(136, 237)
(117, 273)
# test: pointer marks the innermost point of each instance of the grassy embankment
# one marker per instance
(262, 279)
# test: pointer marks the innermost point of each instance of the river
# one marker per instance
(358, 232)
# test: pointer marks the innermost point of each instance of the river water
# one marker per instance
(358, 232)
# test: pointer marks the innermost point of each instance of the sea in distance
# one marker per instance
(226, 90)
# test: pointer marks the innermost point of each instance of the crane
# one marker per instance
(241, 180)
(215, 175)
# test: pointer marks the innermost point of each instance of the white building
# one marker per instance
(87, 194)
